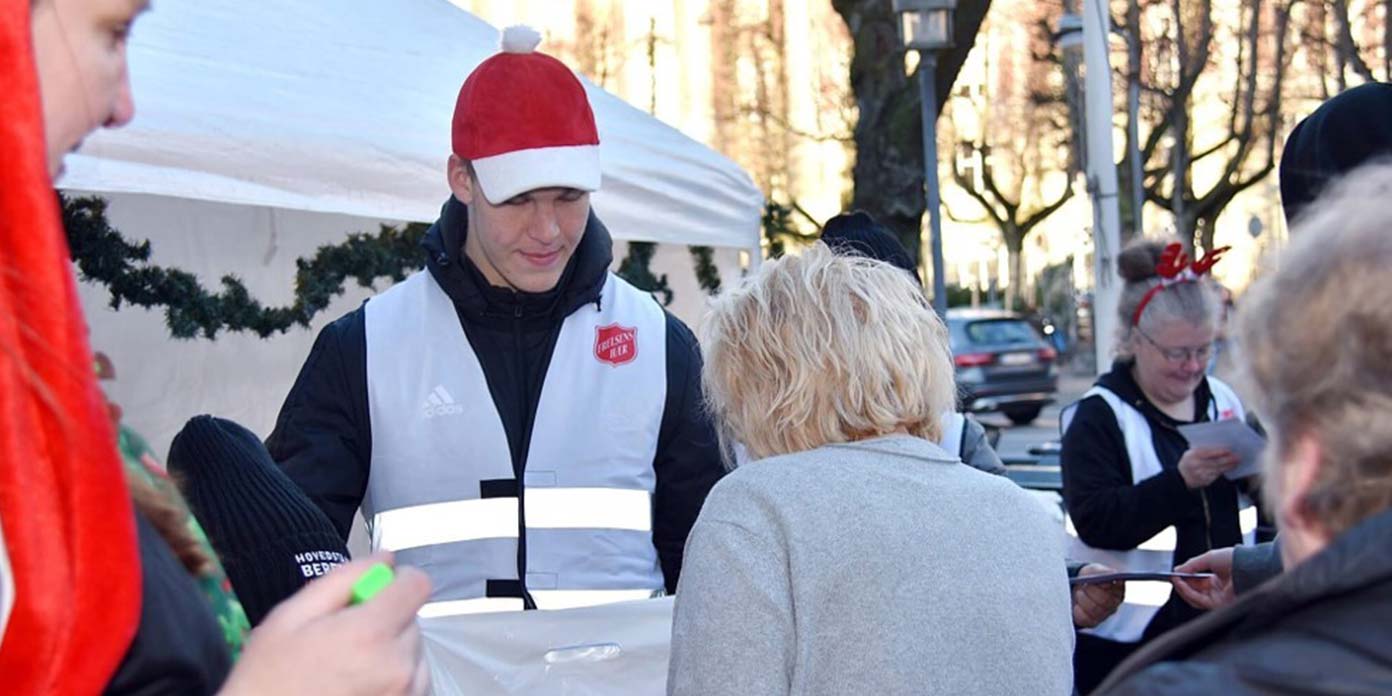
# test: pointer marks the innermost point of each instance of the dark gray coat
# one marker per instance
(1323, 627)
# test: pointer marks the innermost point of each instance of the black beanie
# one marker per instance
(858, 233)
(270, 537)
(1352, 129)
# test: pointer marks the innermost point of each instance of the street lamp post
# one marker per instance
(1089, 33)
(927, 28)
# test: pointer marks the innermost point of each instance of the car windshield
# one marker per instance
(1000, 331)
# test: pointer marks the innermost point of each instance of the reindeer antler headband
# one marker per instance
(1175, 268)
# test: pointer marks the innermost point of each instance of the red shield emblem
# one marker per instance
(616, 345)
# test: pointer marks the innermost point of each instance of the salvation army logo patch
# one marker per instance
(616, 345)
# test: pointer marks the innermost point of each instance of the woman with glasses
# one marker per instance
(1139, 498)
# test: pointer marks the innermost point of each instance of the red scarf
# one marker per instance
(65, 510)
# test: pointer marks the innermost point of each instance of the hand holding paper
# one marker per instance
(1233, 435)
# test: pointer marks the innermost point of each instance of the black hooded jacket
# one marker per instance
(323, 438)
(1324, 627)
(1110, 511)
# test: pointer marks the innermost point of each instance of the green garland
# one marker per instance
(636, 269)
(104, 256)
(707, 274)
(779, 229)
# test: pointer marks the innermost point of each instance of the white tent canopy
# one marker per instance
(344, 106)
(265, 130)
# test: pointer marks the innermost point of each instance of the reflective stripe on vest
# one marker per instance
(1156, 554)
(442, 492)
(548, 508)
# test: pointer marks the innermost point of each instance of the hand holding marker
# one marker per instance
(370, 583)
(357, 625)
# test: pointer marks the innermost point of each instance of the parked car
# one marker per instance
(1002, 363)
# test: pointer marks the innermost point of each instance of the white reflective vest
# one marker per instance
(1144, 599)
(442, 492)
(954, 431)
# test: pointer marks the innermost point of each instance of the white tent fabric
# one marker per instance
(344, 106)
(266, 130)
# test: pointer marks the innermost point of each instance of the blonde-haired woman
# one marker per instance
(1317, 334)
(852, 554)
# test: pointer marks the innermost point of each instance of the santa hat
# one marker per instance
(65, 510)
(523, 120)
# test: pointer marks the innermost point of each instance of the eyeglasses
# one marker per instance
(1178, 356)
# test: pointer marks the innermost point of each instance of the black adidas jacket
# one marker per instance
(323, 438)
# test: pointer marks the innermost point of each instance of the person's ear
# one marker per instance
(461, 180)
(1299, 471)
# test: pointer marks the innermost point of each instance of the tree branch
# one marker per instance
(1043, 213)
(1347, 48)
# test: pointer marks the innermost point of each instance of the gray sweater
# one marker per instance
(879, 567)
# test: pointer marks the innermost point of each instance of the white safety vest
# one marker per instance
(442, 493)
(1144, 599)
(954, 431)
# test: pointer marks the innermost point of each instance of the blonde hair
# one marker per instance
(819, 349)
(1317, 332)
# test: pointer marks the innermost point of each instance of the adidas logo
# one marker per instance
(440, 403)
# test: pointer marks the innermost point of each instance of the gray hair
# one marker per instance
(1197, 302)
(1317, 334)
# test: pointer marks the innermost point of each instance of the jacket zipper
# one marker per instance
(1208, 519)
(527, 601)
(1203, 496)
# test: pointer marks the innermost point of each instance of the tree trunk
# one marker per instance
(1387, 40)
(1133, 224)
(1015, 248)
(1186, 231)
(1207, 229)
(888, 172)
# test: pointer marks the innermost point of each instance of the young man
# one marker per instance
(516, 419)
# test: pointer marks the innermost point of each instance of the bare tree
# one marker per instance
(598, 47)
(752, 98)
(1019, 152)
(1191, 49)
(1346, 42)
(888, 174)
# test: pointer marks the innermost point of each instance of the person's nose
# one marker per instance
(546, 226)
(122, 107)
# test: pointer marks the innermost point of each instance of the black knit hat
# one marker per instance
(1349, 130)
(270, 537)
(858, 233)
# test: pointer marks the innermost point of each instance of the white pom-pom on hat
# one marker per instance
(520, 38)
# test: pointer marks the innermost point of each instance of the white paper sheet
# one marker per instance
(1233, 435)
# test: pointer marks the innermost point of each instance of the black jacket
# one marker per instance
(1110, 511)
(1324, 627)
(323, 438)
(178, 648)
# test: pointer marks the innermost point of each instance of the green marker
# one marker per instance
(373, 581)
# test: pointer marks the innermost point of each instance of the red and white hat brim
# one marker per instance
(513, 173)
